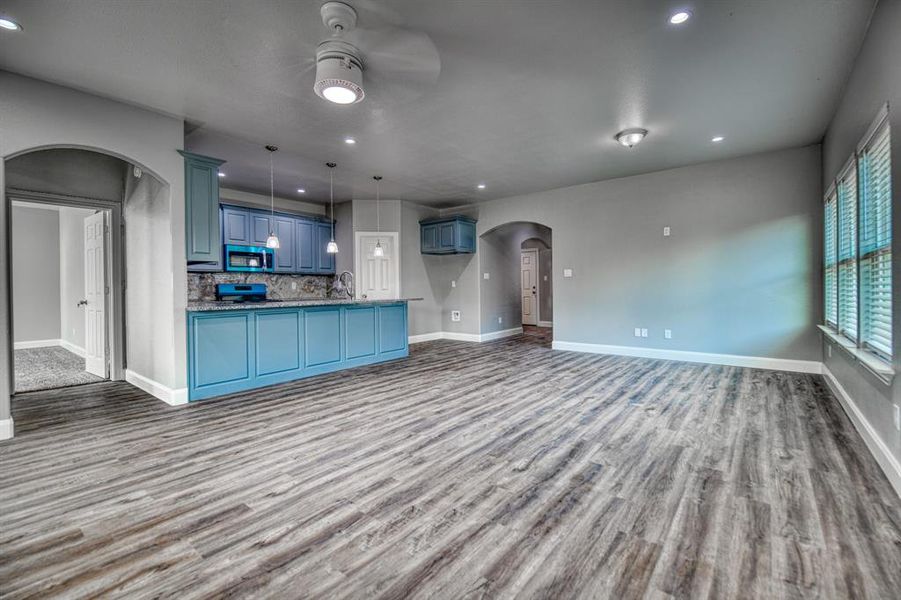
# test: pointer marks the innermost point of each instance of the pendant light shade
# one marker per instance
(272, 240)
(332, 246)
(378, 250)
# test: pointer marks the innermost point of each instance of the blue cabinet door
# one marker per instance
(447, 237)
(326, 262)
(236, 226)
(466, 237)
(285, 254)
(393, 328)
(428, 238)
(220, 350)
(360, 331)
(279, 337)
(305, 243)
(260, 226)
(202, 234)
(322, 336)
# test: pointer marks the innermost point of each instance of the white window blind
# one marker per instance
(847, 252)
(830, 278)
(874, 168)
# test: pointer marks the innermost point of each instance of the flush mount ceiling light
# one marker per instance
(301, 191)
(272, 240)
(332, 246)
(717, 139)
(350, 141)
(221, 174)
(630, 137)
(378, 250)
(9, 24)
(481, 186)
(680, 17)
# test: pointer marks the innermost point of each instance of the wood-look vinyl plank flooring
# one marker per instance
(455, 473)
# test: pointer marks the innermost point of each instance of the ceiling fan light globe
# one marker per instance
(339, 95)
(339, 73)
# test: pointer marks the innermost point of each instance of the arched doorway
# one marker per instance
(516, 284)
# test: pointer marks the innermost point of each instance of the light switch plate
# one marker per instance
(668, 334)
(455, 315)
(644, 332)
(567, 272)
(486, 276)
(638, 332)
(897, 416)
(666, 231)
(500, 319)
(454, 283)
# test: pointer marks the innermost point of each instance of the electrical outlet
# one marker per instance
(666, 231)
(293, 285)
(668, 334)
(897, 416)
(486, 276)
(545, 277)
(638, 332)
(455, 315)
(500, 319)
(454, 283)
(644, 332)
(567, 272)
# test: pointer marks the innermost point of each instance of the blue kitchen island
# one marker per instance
(236, 347)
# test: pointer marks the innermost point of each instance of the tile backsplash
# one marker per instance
(202, 286)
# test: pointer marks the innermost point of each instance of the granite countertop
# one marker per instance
(199, 306)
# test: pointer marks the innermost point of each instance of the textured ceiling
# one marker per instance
(529, 96)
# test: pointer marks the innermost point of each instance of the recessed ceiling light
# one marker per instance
(481, 186)
(221, 174)
(350, 141)
(9, 24)
(301, 191)
(630, 137)
(680, 17)
(717, 139)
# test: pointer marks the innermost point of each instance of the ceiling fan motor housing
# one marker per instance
(338, 64)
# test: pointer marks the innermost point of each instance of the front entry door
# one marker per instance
(529, 278)
(95, 294)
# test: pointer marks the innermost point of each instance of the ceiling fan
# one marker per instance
(396, 61)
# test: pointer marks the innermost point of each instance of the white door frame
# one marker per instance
(534, 252)
(391, 234)
(115, 267)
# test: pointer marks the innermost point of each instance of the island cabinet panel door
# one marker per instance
(221, 353)
(278, 342)
(392, 328)
(304, 242)
(236, 226)
(360, 331)
(322, 336)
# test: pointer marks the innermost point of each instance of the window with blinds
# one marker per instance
(874, 169)
(846, 189)
(830, 277)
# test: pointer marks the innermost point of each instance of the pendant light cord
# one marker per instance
(271, 186)
(331, 193)
(378, 222)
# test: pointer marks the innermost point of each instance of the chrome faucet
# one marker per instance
(344, 283)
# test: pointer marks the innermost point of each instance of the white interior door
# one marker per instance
(528, 261)
(377, 277)
(95, 294)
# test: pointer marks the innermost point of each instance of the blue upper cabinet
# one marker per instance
(447, 235)
(302, 240)
(202, 228)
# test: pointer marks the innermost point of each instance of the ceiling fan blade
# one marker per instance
(397, 55)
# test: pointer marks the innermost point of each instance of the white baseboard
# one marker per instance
(735, 360)
(72, 348)
(889, 464)
(545, 323)
(154, 388)
(6, 429)
(464, 337)
(36, 344)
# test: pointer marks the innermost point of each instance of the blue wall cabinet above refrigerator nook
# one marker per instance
(447, 235)
(236, 350)
(202, 228)
(302, 240)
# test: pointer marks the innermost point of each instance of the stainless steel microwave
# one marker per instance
(253, 259)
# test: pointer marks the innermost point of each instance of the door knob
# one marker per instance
(82, 303)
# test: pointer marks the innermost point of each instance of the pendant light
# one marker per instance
(272, 240)
(378, 250)
(332, 247)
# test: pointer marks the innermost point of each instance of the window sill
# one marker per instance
(870, 361)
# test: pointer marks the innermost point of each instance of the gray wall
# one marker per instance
(499, 295)
(545, 276)
(739, 275)
(70, 172)
(419, 275)
(875, 79)
(35, 273)
(71, 273)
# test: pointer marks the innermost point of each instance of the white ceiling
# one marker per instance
(529, 96)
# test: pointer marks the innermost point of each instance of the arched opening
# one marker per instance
(516, 285)
(68, 258)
